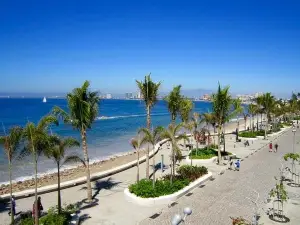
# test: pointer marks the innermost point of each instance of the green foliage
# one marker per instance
(186, 106)
(206, 153)
(55, 219)
(293, 156)
(279, 192)
(186, 174)
(213, 146)
(174, 100)
(287, 124)
(191, 172)
(276, 129)
(248, 134)
(27, 221)
(145, 189)
(296, 118)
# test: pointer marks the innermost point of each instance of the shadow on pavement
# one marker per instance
(104, 184)
(279, 219)
(293, 184)
(4, 206)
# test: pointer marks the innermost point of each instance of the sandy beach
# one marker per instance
(71, 174)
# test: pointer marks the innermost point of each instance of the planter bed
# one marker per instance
(166, 199)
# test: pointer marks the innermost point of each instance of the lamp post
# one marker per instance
(294, 131)
(177, 218)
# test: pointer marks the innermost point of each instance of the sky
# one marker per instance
(53, 46)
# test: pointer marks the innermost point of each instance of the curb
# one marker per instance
(167, 198)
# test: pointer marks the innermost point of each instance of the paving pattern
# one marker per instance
(227, 195)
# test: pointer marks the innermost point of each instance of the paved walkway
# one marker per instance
(226, 196)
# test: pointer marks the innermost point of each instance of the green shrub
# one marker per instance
(262, 133)
(276, 129)
(145, 188)
(191, 172)
(213, 146)
(205, 153)
(55, 219)
(247, 134)
(186, 174)
(27, 221)
(296, 118)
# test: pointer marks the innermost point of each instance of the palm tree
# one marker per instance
(195, 122)
(36, 141)
(56, 151)
(186, 107)
(83, 109)
(137, 143)
(173, 101)
(149, 91)
(152, 137)
(171, 134)
(268, 102)
(252, 111)
(222, 103)
(237, 106)
(259, 108)
(11, 145)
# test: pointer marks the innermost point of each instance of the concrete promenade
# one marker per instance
(227, 195)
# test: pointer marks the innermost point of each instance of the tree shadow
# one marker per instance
(291, 184)
(107, 184)
(279, 219)
(4, 206)
(83, 218)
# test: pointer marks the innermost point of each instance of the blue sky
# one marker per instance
(53, 46)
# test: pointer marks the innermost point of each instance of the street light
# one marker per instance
(294, 131)
(177, 219)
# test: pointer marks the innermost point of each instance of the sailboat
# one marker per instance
(44, 100)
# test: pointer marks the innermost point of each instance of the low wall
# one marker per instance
(167, 198)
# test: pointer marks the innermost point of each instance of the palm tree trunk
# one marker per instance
(36, 214)
(245, 124)
(138, 166)
(148, 117)
(147, 164)
(58, 189)
(197, 146)
(87, 165)
(153, 175)
(219, 144)
(12, 216)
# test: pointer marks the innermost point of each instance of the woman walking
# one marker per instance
(270, 147)
(276, 147)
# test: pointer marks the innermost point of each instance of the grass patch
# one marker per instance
(185, 175)
(205, 153)
(248, 134)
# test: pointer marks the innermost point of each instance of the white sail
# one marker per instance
(44, 100)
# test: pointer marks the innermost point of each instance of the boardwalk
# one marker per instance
(226, 196)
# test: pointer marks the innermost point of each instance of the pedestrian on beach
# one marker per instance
(13, 202)
(270, 147)
(276, 147)
(39, 208)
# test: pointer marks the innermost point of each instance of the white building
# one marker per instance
(108, 96)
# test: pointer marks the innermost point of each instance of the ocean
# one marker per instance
(117, 123)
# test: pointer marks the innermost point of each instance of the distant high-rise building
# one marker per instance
(128, 95)
(139, 95)
(108, 96)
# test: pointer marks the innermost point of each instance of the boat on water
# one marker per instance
(44, 100)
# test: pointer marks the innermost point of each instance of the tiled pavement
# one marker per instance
(226, 196)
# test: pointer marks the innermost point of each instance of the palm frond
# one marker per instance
(73, 159)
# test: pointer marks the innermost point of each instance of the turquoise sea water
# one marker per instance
(107, 137)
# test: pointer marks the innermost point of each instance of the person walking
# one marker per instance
(276, 147)
(39, 208)
(13, 202)
(237, 165)
(270, 147)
